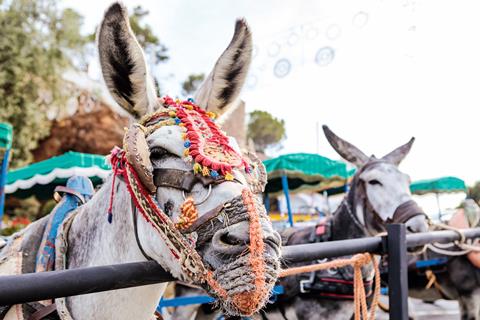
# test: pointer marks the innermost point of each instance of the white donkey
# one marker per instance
(177, 164)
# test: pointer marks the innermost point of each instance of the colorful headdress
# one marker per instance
(205, 144)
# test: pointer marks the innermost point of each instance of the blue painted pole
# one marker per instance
(6, 135)
(287, 198)
(3, 181)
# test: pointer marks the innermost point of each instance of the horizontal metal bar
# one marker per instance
(419, 239)
(54, 284)
(330, 249)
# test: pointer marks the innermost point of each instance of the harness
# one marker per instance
(330, 283)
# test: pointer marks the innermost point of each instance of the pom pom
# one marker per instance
(186, 152)
(188, 159)
(229, 176)
(211, 115)
(191, 100)
(205, 171)
(172, 114)
(187, 144)
(197, 168)
(214, 174)
(178, 121)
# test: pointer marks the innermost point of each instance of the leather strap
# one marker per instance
(406, 211)
(183, 179)
(174, 178)
(43, 312)
(135, 228)
(204, 218)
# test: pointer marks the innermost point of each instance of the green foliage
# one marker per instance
(474, 192)
(191, 84)
(265, 130)
(35, 38)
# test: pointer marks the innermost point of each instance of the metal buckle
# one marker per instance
(201, 201)
(302, 285)
(310, 280)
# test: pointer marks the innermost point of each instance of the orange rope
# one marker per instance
(357, 261)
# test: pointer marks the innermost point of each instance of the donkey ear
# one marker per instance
(224, 83)
(345, 149)
(397, 155)
(123, 63)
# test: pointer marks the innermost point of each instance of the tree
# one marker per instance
(35, 40)
(265, 130)
(192, 83)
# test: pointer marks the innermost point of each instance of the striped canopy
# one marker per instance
(41, 178)
(305, 172)
(438, 185)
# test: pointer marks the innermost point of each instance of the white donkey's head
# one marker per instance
(231, 231)
(380, 192)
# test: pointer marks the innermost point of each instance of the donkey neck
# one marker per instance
(93, 241)
(343, 224)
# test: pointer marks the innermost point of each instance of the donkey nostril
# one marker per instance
(230, 239)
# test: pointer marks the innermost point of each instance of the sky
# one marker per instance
(376, 72)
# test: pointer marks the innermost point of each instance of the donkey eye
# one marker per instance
(157, 153)
(374, 182)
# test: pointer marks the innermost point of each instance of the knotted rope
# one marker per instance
(357, 262)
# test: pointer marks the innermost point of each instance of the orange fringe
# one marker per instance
(248, 302)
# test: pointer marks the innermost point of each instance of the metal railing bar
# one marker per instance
(48, 285)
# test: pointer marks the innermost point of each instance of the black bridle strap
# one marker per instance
(175, 178)
(406, 211)
(183, 179)
(135, 227)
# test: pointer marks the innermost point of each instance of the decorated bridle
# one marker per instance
(213, 160)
